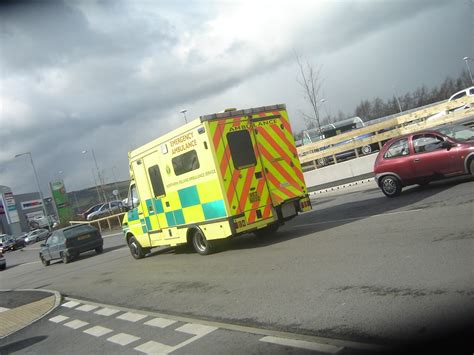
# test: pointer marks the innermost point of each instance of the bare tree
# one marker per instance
(310, 81)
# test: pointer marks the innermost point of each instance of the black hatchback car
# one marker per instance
(67, 243)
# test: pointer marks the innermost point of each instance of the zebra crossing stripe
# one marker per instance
(123, 339)
(153, 347)
(160, 322)
(98, 331)
(76, 324)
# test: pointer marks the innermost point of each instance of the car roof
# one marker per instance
(407, 135)
(74, 226)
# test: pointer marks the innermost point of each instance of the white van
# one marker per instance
(466, 92)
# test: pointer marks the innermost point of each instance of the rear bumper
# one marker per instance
(85, 247)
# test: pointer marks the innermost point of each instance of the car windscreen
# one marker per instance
(458, 132)
(71, 232)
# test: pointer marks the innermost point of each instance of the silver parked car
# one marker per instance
(107, 209)
(37, 235)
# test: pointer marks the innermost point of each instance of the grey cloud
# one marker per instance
(105, 99)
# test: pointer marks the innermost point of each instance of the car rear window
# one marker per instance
(71, 232)
(397, 149)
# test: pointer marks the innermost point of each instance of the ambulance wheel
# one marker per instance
(267, 231)
(136, 250)
(201, 244)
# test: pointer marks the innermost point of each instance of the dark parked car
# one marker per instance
(67, 243)
(19, 242)
(424, 156)
(3, 263)
(8, 242)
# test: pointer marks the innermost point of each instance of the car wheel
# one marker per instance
(471, 166)
(267, 231)
(99, 250)
(321, 162)
(136, 250)
(390, 186)
(65, 258)
(201, 244)
(366, 149)
(44, 261)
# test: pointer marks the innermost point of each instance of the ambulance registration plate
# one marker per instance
(253, 197)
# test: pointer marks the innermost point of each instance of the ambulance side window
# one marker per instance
(156, 180)
(185, 163)
(241, 149)
(133, 200)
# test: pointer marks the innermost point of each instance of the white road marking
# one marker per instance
(132, 317)
(153, 347)
(302, 344)
(196, 329)
(355, 218)
(98, 331)
(107, 311)
(86, 308)
(76, 324)
(31, 262)
(160, 322)
(239, 328)
(123, 339)
(112, 235)
(3, 309)
(58, 319)
(70, 304)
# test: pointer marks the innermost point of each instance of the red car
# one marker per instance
(424, 156)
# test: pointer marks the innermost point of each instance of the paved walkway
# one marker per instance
(19, 308)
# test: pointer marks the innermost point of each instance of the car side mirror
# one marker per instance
(447, 145)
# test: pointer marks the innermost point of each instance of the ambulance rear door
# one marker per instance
(277, 150)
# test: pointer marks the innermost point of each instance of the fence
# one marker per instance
(108, 219)
(385, 130)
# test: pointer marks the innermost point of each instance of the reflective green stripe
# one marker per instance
(189, 196)
(214, 209)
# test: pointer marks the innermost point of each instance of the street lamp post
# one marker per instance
(184, 114)
(466, 59)
(116, 185)
(326, 109)
(37, 182)
(98, 174)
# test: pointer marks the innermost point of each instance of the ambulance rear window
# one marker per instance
(185, 163)
(241, 149)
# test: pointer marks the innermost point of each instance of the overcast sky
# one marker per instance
(111, 75)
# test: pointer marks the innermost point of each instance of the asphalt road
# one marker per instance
(359, 266)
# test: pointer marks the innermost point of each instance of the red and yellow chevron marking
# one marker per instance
(277, 160)
(239, 184)
(278, 152)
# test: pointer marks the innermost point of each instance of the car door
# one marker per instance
(53, 246)
(430, 157)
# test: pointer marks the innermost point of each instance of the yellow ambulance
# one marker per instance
(216, 177)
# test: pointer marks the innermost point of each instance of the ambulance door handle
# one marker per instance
(252, 189)
(167, 203)
(258, 175)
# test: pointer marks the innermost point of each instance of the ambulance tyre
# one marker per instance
(201, 244)
(136, 249)
(267, 231)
